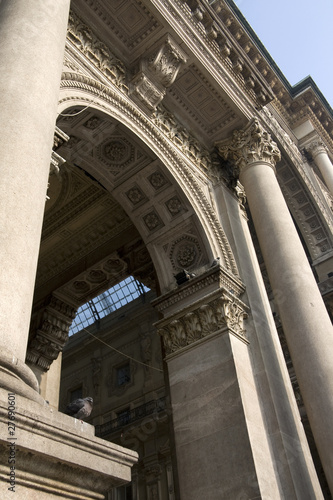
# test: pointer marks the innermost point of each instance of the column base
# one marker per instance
(46, 454)
(17, 377)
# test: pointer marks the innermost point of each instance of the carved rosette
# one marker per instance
(223, 312)
(50, 332)
(252, 144)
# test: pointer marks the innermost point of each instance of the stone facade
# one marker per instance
(157, 139)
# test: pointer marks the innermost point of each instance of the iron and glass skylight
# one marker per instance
(117, 296)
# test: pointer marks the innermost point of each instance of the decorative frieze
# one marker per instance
(206, 305)
(252, 144)
(218, 312)
(97, 52)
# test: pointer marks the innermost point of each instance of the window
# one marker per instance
(121, 493)
(123, 375)
(123, 417)
(124, 492)
(117, 296)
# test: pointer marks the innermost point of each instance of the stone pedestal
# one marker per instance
(48, 455)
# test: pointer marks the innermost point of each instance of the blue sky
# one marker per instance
(298, 34)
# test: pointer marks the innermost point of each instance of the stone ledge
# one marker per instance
(58, 454)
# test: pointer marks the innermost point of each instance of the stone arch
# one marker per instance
(82, 92)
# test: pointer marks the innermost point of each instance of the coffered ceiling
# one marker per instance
(88, 241)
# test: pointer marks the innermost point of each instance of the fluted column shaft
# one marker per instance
(320, 157)
(33, 34)
(305, 321)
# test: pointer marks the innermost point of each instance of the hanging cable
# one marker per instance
(122, 353)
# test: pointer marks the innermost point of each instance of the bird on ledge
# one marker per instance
(80, 408)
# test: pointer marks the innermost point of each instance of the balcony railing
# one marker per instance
(129, 417)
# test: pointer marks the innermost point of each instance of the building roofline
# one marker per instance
(294, 90)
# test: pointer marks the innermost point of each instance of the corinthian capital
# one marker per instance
(316, 147)
(250, 145)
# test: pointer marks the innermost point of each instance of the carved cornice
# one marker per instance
(49, 332)
(222, 47)
(215, 278)
(252, 144)
(218, 312)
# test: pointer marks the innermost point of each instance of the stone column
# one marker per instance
(33, 34)
(306, 324)
(318, 151)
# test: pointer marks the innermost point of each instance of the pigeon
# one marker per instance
(80, 408)
(216, 262)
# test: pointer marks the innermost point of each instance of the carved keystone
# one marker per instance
(157, 72)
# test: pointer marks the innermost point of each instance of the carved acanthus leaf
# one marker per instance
(316, 147)
(224, 312)
(252, 144)
(50, 332)
(166, 62)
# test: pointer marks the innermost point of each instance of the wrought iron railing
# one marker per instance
(129, 417)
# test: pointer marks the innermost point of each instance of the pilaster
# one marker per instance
(213, 391)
